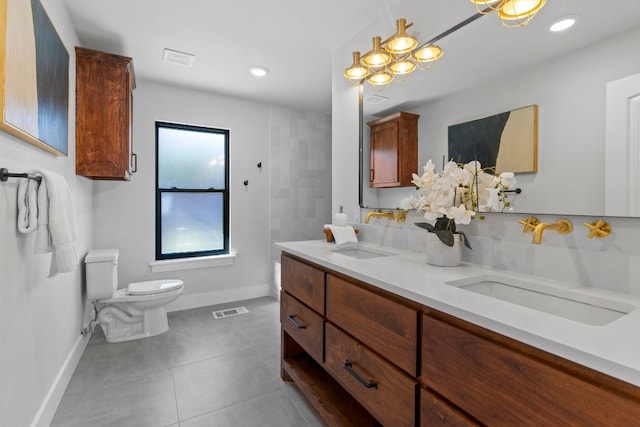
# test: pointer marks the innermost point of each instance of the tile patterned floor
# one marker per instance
(202, 372)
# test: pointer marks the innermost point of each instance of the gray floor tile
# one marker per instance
(270, 410)
(202, 371)
(303, 405)
(147, 400)
(221, 381)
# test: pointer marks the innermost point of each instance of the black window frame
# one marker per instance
(224, 191)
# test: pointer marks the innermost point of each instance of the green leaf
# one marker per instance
(426, 226)
(445, 236)
(465, 240)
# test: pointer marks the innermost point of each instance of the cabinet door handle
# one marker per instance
(349, 368)
(372, 175)
(292, 319)
(134, 157)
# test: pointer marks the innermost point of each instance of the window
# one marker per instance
(192, 194)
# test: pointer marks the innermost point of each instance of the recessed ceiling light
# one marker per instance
(563, 23)
(259, 71)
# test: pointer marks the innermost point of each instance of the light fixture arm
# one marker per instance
(453, 29)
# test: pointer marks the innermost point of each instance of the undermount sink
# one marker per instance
(569, 303)
(363, 253)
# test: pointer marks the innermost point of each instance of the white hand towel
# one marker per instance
(43, 244)
(27, 206)
(344, 235)
(61, 223)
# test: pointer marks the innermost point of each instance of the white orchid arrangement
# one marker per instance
(454, 195)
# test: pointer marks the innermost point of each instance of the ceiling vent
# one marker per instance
(178, 58)
(376, 99)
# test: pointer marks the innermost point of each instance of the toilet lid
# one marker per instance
(153, 287)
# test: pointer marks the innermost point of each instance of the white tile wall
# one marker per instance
(612, 263)
(300, 174)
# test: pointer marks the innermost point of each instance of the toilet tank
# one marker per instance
(101, 273)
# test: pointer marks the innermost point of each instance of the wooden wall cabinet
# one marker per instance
(394, 150)
(104, 108)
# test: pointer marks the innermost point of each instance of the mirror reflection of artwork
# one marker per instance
(507, 141)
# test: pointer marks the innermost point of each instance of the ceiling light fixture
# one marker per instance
(512, 13)
(392, 59)
(259, 71)
(563, 23)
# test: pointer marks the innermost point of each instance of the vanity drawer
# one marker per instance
(436, 413)
(386, 326)
(502, 382)
(304, 282)
(302, 324)
(391, 400)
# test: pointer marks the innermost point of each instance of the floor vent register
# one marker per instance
(229, 312)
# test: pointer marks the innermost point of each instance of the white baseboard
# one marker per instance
(49, 406)
(204, 299)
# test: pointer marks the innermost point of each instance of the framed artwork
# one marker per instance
(34, 76)
(506, 141)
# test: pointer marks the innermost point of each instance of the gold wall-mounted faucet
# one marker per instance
(599, 229)
(379, 214)
(562, 226)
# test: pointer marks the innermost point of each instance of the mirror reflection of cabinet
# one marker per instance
(394, 150)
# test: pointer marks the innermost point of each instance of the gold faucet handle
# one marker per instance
(400, 215)
(529, 224)
(599, 229)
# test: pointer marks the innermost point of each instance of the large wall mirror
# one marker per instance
(585, 166)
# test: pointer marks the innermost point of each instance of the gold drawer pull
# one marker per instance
(292, 319)
(349, 368)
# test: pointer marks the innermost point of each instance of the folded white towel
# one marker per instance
(43, 244)
(60, 221)
(344, 235)
(27, 206)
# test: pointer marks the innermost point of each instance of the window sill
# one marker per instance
(191, 263)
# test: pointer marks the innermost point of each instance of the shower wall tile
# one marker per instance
(300, 176)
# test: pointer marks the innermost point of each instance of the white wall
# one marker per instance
(125, 211)
(40, 318)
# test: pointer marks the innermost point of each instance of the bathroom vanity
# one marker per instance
(373, 338)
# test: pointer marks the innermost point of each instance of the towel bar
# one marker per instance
(5, 175)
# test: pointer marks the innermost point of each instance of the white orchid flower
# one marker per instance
(461, 215)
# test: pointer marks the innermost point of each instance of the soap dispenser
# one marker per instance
(340, 218)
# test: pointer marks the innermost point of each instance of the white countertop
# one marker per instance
(612, 348)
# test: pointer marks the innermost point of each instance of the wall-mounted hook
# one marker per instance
(259, 165)
(246, 182)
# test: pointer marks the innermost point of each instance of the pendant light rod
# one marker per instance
(455, 28)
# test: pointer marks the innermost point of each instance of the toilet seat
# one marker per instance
(153, 287)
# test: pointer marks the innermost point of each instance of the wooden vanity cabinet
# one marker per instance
(366, 373)
(104, 108)
(368, 357)
(394, 150)
(502, 382)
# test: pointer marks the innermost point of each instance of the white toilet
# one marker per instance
(131, 313)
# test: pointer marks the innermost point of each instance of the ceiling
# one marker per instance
(295, 40)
